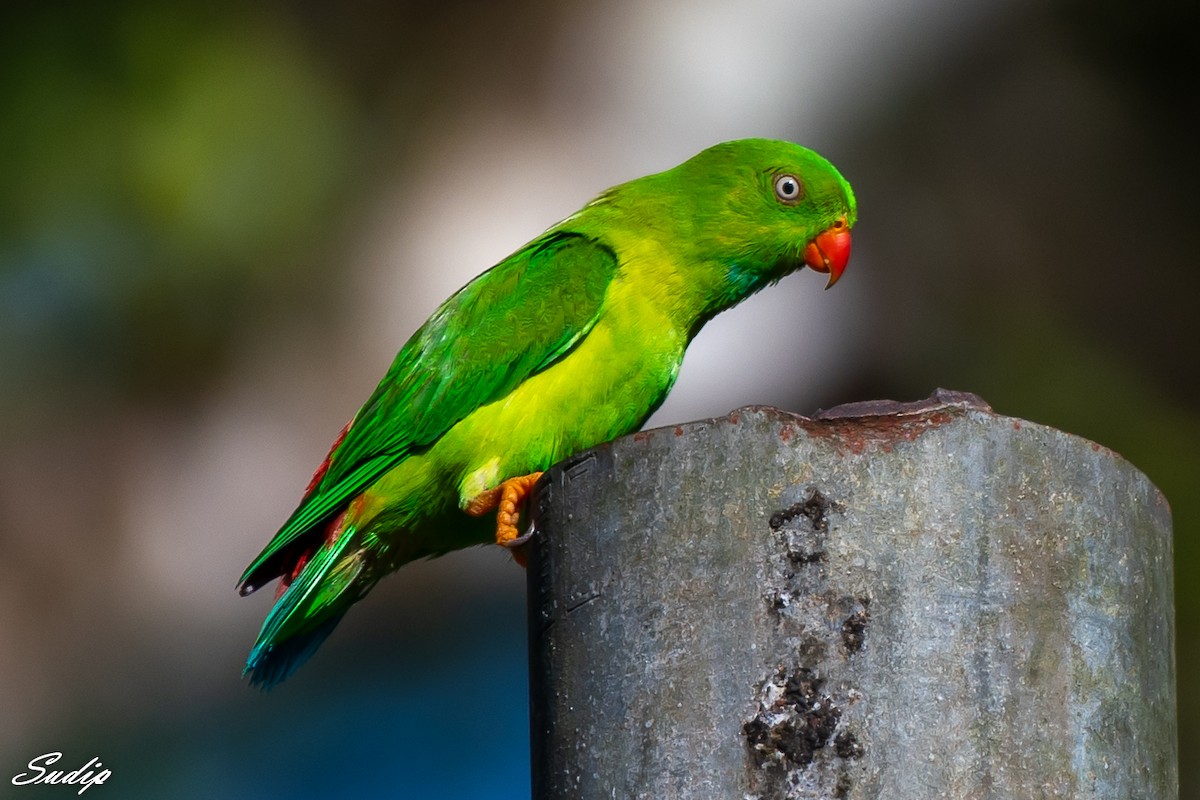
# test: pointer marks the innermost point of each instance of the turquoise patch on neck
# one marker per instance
(744, 280)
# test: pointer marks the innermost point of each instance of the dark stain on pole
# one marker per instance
(794, 720)
(854, 629)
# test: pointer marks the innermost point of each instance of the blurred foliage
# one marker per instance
(168, 170)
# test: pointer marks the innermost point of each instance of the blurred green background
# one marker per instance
(219, 221)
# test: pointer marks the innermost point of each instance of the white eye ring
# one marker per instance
(788, 188)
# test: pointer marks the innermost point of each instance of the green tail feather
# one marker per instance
(307, 612)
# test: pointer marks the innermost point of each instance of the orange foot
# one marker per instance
(505, 499)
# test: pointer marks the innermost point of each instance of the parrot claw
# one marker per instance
(517, 547)
(521, 540)
(506, 500)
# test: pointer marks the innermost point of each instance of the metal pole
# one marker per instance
(887, 601)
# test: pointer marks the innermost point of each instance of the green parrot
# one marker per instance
(573, 340)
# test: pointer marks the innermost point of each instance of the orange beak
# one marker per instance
(830, 251)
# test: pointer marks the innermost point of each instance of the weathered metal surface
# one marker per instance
(936, 602)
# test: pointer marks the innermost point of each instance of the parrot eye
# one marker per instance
(788, 189)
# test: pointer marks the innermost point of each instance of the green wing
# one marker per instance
(508, 324)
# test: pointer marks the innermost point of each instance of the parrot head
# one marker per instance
(768, 208)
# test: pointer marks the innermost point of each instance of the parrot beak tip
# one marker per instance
(829, 251)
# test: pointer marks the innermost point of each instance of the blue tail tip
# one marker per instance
(271, 663)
